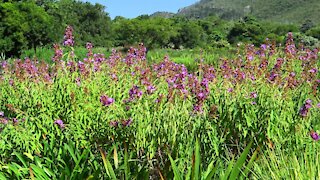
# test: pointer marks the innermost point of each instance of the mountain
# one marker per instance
(286, 11)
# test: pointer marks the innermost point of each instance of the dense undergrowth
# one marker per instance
(119, 117)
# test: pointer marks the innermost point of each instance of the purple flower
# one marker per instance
(230, 90)
(263, 46)
(78, 81)
(250, 57)
(253, 95)
(308, 104)
(273, 76)
(68, 37)
(253, 78)
(127, 122)
(114, 123)
(305, 108)
(15, 121)
(134, 92)
(292, 74)
(318, 105)
(58, 53)
(303, 111)
(197, 108)
(11, 82)
(313, 70)
(314, 135)
(1, 113)
(60, 123)
(4, 121)
(106, 101)
(200, 96)
(151, 89)
(253, 103)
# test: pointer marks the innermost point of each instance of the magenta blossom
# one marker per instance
(314, 135)
(305, 108)
(230, 90)
(253, 95)
(68, 37)
(127, 122)
(114, 123)
(60, 123)
(106, 101)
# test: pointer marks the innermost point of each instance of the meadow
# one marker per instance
(252, 114)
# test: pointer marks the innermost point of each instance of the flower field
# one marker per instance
(121, 117)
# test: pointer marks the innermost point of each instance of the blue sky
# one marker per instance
(134, 8)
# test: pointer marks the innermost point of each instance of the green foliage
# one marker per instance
(314, 32)
(30, 24)
(215, 170)
(246, 30)
(279, 164)
(23, 25)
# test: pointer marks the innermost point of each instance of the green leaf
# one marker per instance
(210, 171)
(250, 163)
(229, 169)
(126, 164)
(197, 172)
(2, 176)
(115, 157)
(15, 170)
(71, 151)
(240, 162)
(29, 155)
(39, 172)
(175, 169)
(108, 166)
(22, 160)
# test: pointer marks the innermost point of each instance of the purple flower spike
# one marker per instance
(230, 90)
(60, 123)
(68, 37)
(314, 135)
(318, 105)
(106, 101)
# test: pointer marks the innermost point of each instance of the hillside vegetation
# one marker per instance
(289, 11)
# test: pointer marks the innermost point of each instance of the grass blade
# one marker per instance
(108, 166)
(197, 172)
(175, 169)
(240, 162)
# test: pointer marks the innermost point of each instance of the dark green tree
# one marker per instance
(246, 30)
(23, 25)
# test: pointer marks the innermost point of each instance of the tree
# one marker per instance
(24, 25)
(247, 30)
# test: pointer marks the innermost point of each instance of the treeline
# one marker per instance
(28, 24)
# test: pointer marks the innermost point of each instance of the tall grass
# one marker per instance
(122, 117)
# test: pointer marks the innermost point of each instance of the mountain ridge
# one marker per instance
(284, 11)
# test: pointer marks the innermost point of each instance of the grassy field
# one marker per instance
(166, 115)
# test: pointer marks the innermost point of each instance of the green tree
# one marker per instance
(23, 25)
(246, 30)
